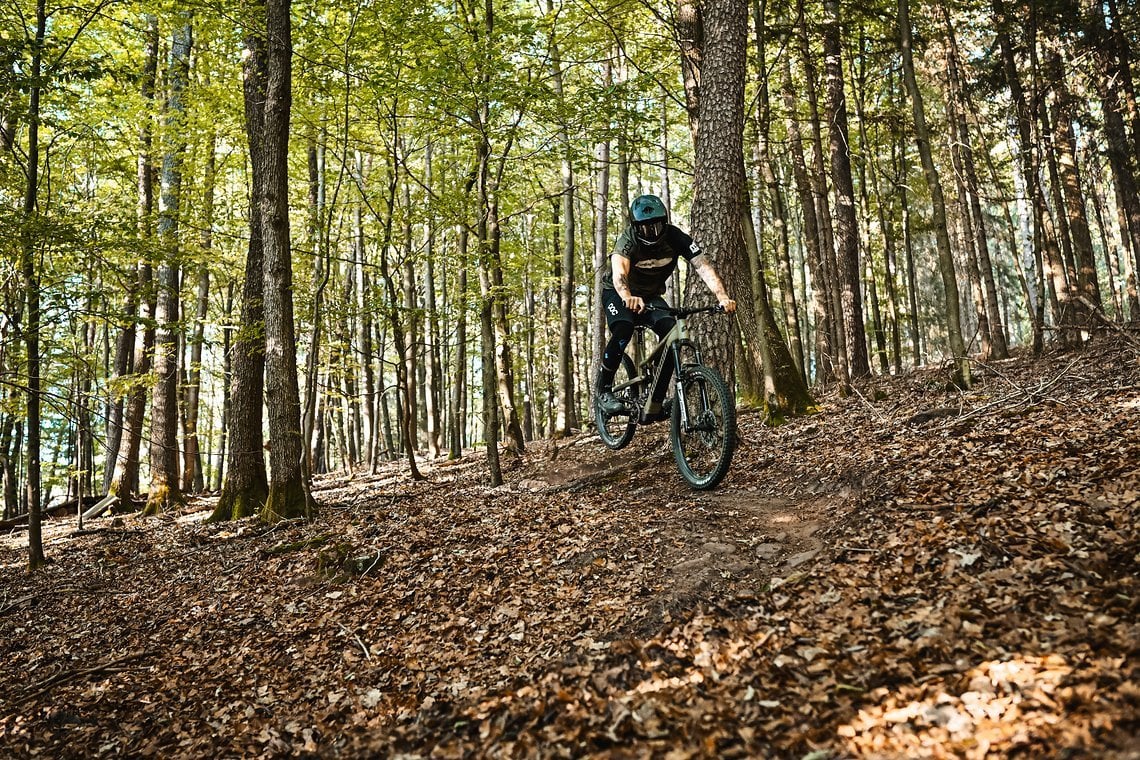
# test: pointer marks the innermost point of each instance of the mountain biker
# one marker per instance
(644, 258)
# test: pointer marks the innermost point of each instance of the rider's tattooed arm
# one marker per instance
(703, 266)
(620, 267)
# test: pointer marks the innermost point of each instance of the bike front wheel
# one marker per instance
(703, 429)
(616, 430)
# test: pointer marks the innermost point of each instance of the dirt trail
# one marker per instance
(727, 543)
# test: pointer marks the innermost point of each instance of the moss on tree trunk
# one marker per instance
(288, 501)
(237, 503)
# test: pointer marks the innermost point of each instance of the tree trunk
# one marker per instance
(566, 418)
(908, 250)
(124, 480)
(1026, 164)
(1086, 282)
(412, 323)
(192, 476)
(289, 495)
(458, 418)
(776, 198)
(960, 108)
(962, 375)
(846, 229)
(1113, 83)
(435, 385)
(246, 486)
(601, 243)
(227, 384)
(718, 186)
(31, 283)
(811, 231)
(165, 489)
(322, 272)
(837, 365)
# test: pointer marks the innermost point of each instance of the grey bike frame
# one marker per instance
(649, 368)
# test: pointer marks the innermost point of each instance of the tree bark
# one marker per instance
(433, 393)
(192, 476)
(165, 489)
(1086, 282)
(776, 198)
(835, 366)
(601, 241)
(846, 229)
(566, 417)
(31, 283)
(289, 495)
(962, 375)
(246, 485)
(994, 331)
(124, 479)
(718, 187)
(811, 234)
(1027, 165)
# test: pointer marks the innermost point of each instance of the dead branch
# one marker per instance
(112, 666)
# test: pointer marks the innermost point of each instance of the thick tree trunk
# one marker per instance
(719, 200)
(246, 485)
(289, 495)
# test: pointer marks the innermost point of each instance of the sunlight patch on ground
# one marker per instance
(1007, 703)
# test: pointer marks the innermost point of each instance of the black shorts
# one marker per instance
(616, 311)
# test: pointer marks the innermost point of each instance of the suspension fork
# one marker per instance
(676, 348)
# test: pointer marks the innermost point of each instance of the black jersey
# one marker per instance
(651, 265)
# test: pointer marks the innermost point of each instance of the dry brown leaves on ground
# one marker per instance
(910, 573)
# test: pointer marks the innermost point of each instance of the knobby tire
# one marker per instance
(704, 451)
(616, 430)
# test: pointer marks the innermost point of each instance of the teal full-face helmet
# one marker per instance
(648, 216)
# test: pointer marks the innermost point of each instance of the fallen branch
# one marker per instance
(1030, 394)
(100, 506)
(112, 666)
(1099, 313)
(296, 546)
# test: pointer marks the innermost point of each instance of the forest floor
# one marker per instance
(910, 573)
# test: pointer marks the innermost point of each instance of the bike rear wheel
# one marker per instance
(616, 430)
(705, 435)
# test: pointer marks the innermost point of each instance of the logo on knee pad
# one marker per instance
(612, 309)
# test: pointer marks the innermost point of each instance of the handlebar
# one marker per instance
(688, 311)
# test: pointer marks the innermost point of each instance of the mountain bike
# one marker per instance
(702, 413)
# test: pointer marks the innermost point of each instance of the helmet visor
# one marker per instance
(649, 232)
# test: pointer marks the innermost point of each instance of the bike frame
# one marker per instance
(651, 368)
